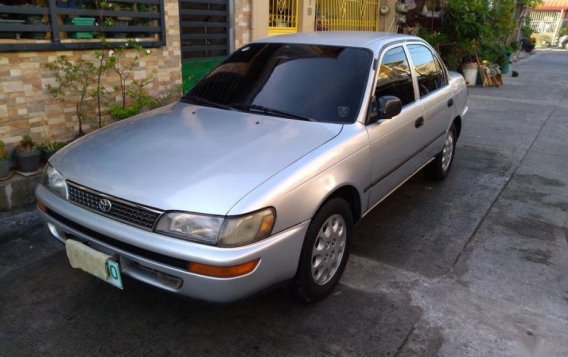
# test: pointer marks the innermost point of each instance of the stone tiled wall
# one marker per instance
(26, 105)
(242, 22)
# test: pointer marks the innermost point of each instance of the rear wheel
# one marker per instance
(565, 45)
(442, 164)
(325, 251)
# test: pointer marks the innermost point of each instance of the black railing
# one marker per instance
(56, 26)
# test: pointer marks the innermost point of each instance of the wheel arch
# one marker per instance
(350, 194)
(458, 125)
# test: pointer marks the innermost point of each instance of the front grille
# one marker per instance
(120, 210)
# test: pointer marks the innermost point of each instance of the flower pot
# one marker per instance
(27, 161)
(5, 166)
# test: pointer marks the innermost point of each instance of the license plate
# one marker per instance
(114, 277)
(93, 262)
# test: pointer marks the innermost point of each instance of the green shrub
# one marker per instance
(26, 144)
(51, 146)
(119, 112)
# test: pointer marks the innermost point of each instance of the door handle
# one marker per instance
(450, 102)
(419, 122)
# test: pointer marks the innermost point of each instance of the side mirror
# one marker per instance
(386, 107)
(389, 107)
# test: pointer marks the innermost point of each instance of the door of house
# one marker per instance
(204, 36)
(282, 17)
(347, 15)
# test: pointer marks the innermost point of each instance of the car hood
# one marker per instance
(187, 157)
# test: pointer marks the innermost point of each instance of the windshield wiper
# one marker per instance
(268, 111)
(198, 100)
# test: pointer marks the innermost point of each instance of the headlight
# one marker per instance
(190, 226)
(53, 180)
(247, 229)
(222, 231)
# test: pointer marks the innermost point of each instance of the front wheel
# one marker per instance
(440, 167)
(325, 251)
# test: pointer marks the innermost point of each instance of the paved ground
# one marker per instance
(474, 266)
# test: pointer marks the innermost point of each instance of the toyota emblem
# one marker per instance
(105, 205)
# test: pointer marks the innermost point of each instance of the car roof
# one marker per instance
(366, 39)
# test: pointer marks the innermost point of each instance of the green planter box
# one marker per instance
(81, 21)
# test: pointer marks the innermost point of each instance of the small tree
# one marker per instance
(103, 65)
(73, 80)
(123, 66)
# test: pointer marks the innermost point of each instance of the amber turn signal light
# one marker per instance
(222, 271)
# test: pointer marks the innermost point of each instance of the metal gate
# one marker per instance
(347, 15)
(204, 36)
(282, 17)
(547, 22)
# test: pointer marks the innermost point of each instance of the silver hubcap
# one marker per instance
(448, 151)
(328, 249)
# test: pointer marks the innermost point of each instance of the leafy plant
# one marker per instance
(123, 66)
(171, 95)
(49, 143)
(51, 146)
(103, 63)
(26, 144)
(73, 80)
(3, 153)
(122, 112)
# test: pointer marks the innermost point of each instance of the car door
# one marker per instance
(435, 95)
(394, 142)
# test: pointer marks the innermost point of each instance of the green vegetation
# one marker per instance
(26, 144)
(481, 28)
(3, 153)
(51, 146)
(73, 81)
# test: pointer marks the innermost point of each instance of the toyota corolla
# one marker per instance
(257, 175)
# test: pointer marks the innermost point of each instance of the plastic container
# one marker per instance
(81, 21)
(470, 71)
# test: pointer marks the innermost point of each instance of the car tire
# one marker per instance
(325, 251)
(442, 164)
(565, 45)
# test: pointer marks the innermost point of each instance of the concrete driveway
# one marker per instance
(475, 265)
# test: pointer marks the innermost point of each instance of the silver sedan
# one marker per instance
(258, 174)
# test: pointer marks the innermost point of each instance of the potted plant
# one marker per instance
(50, 147)
(27, 155)
(5, 162)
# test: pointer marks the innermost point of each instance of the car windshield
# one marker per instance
(301, 82)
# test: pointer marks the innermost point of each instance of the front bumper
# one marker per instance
(158, 260)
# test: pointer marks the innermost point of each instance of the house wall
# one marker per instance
(26, 105)
(242, 22)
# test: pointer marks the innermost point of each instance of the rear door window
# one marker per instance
(429, 70)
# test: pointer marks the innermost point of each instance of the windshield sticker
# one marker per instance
(343, 112)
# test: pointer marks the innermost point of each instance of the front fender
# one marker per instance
(298, 191)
